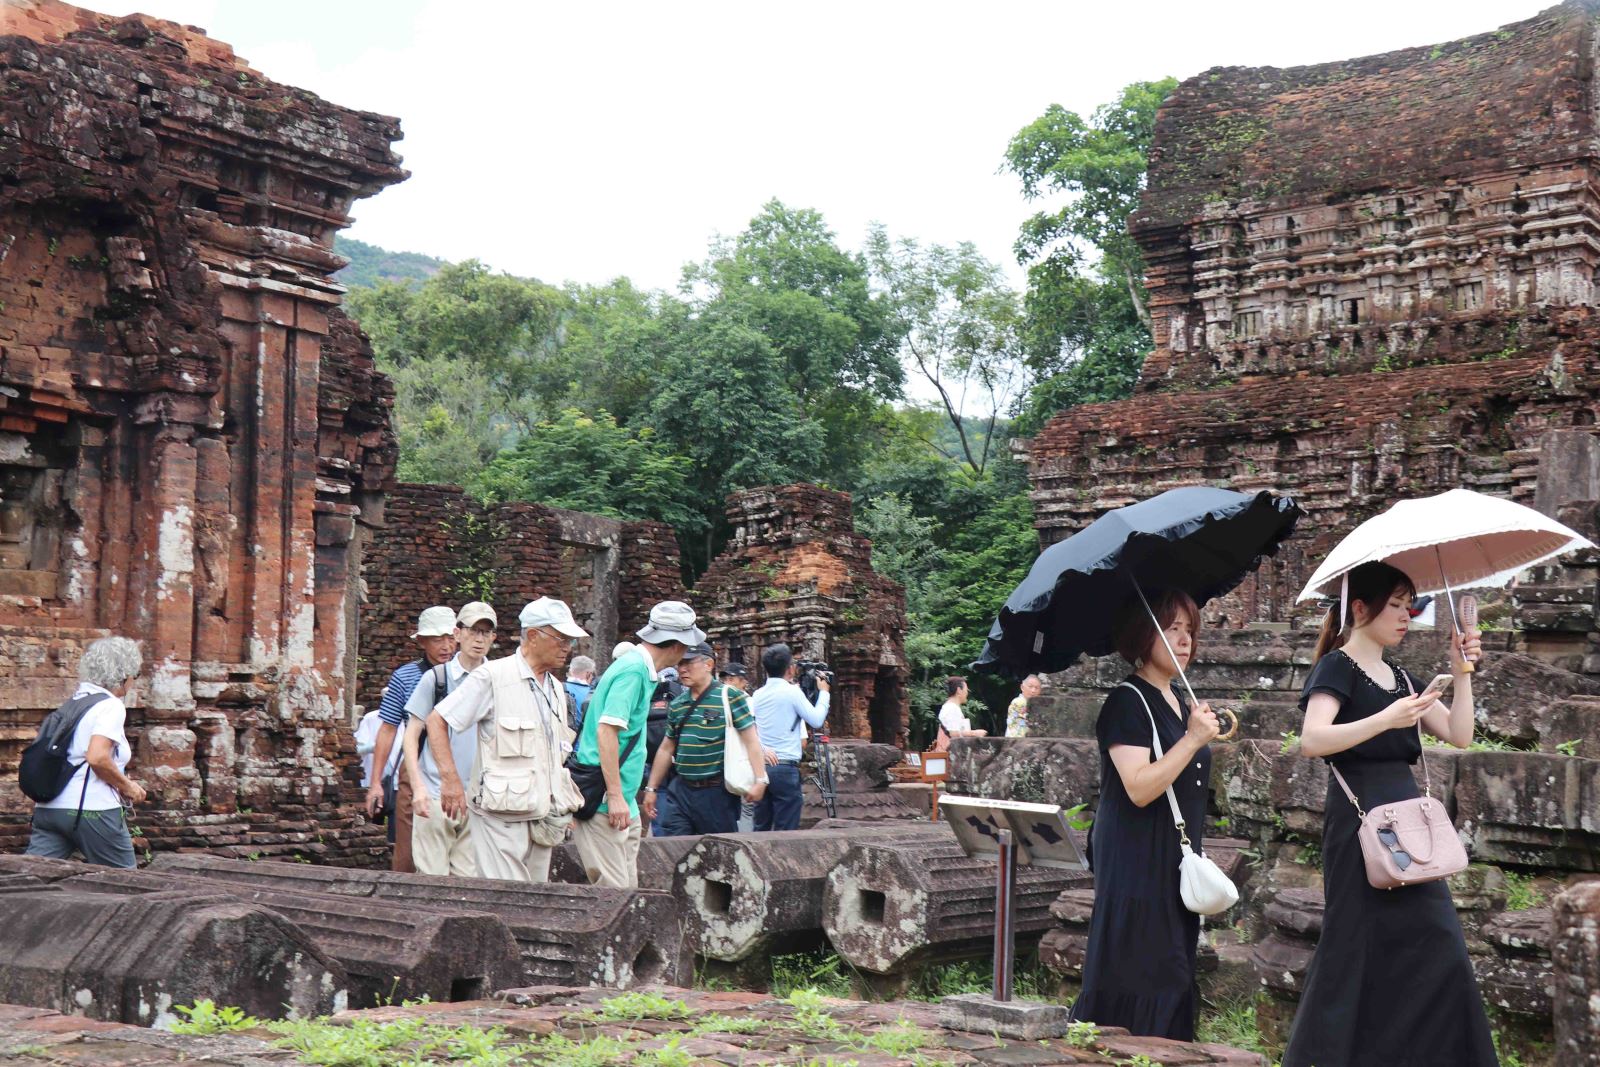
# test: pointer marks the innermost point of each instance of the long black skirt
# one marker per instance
(1391, 984)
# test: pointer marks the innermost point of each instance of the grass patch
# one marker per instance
(631, 1007)
(1522, 893)
(559, 1051)
(729, 1024)
(821, 972)
(1233, 1022)
(205, 1018)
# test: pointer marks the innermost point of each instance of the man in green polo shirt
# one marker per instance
(613, 740)
(696, 731)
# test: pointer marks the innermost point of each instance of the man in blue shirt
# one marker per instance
(782, 712)
(436, 640)
(580, 686)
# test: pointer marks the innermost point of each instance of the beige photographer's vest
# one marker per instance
(522, 772)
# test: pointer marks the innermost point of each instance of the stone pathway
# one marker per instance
(555, 1026)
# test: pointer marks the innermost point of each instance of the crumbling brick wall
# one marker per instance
(440, 546)
(796, 571)
(190, 432)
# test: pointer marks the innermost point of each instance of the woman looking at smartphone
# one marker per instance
(1138, 972)
(1390, 982)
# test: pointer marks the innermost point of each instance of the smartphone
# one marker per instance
(1440, 683)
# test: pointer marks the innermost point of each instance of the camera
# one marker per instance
(810, 671)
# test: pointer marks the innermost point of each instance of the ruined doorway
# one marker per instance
(886, 711)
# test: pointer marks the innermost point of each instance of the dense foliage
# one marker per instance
(899, 373)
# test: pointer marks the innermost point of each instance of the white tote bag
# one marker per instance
(737, 777)
(1201, 883)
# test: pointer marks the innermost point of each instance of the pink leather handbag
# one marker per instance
(1407, 842)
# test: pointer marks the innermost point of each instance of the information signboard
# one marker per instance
(1039, 831)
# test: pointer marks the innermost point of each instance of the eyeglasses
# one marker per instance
(560, 639)
(1391, 840)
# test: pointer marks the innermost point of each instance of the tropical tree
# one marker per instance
(1087, 323)
(960, 328)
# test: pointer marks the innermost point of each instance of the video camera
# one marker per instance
(810, 671)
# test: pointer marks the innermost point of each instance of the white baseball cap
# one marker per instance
(474, 613)
(437, 621)
(547, 611)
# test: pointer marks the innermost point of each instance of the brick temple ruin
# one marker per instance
(193, 439)
(1368, 280)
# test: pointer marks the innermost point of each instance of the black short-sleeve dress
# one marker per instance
(1390, 983)
(1139, 969)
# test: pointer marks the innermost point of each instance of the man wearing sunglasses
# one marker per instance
(522, 797)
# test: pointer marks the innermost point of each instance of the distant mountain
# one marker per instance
(370, 264)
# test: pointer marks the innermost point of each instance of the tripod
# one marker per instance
(822, 775)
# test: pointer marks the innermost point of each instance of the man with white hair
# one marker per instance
(580, 685)
(1017, 710)
(613, 743)
(85, 814)
(435, 638)
(522, 796)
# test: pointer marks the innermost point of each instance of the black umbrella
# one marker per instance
(1201, 540)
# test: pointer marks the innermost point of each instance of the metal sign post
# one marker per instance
(1014, 833)
(1005, 924)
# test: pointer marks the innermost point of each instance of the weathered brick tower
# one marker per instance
(1368, 279)
(190, 430)
(796, 571)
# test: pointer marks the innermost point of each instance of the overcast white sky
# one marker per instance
(585, 140)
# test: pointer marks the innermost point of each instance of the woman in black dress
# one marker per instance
(1139, 969)
(1390, 985)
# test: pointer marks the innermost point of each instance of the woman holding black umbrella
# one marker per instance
(1139, 971)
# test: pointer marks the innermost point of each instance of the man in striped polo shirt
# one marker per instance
(696, 729)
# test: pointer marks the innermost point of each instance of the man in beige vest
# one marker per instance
(522, 800)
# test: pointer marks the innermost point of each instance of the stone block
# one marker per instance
(658, 861)
(1575, 956)
(1021, 1020)
(1529, 808)
(1045, 770)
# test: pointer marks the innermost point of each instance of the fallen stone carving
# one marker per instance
(568, 935)
(133, 959)
(892, 905)
(392, 952)
(746, 894)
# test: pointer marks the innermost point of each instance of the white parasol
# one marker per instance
(1458, 539)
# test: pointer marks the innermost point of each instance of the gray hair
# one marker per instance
(110, 661)
(581, 665)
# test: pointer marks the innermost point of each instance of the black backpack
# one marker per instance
(45, 770)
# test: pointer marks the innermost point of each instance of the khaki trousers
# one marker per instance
(442, 845)
(401, 861)
(610, 857)
(506, 850)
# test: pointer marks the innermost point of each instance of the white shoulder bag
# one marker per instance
(1203, 886)
(737, 777)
